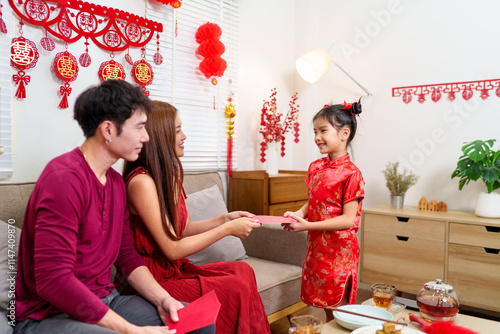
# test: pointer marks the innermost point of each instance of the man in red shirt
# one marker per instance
(76, 227)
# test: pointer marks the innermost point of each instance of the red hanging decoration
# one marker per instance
(3, 26)
(66, 68)
(158, 58)
(128, 58)
(467, 88)
(85, 59)
(23, 56)
(230, 113)
(174, 3)
(111, 70)
(211, 49)
(142, 72)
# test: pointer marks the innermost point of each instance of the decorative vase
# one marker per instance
(272, 158)
(397, 201)
(488, 205)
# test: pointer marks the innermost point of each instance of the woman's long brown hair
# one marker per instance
(158, 157)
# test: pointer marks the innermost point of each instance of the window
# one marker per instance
(178, 80)
(5, 95)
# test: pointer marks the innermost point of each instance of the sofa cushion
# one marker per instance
(8, 250)
(205, 204)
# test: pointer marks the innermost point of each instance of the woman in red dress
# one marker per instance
(164, 234)
(336, 192)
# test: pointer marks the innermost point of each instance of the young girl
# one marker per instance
(336, 192)
(164, 234)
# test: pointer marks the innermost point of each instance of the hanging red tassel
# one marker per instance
(65, 91)
(23, 55)
(66, 67)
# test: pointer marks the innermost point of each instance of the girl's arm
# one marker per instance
(143, 201)
(200, 226)
(342, 222)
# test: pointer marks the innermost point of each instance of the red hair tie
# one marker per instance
(348, 106)
(326, 105)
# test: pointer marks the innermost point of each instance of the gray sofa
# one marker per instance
(275, 255)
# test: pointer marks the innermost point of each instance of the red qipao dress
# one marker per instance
(234, 282)
(332, 257)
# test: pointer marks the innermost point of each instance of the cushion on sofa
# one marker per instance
(205, 204)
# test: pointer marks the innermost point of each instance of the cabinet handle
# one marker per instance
(403, 219)
(491, 250)
(400, 238)
(493, 229)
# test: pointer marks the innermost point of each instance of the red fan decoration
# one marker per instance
(211, 49)
(142, 72)
(111, 70)
(66, 68)
(3, 27)
(23, 55)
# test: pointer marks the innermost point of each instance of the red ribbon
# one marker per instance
(21, 79)
(230, 157)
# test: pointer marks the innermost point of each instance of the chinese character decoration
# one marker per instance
(273, 127)
(23, 56)
(211, 49)
(142, 72)
(3, 26)
(66, 68)
(111, 70)
(451, 89)
(230, 113)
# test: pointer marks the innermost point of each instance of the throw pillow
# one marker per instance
(8, 251)
(205, 204)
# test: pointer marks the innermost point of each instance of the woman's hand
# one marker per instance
(238, 214)
(242, 227)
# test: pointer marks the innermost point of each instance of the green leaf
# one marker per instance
(477, 149)
(490, 174)
(473, 172)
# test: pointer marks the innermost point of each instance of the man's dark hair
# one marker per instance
(112, 100)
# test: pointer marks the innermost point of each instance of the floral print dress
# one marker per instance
(332, 257)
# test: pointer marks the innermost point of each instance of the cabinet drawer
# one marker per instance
(405, 262)
(405, 226)
(287, 189)
(280, 209)
(474, 274)
(475, 235)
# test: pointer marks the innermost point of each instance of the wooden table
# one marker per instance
(479, 325)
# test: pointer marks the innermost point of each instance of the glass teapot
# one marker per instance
(437, 301)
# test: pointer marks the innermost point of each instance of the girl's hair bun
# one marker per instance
(356, 108)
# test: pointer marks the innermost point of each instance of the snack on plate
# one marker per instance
(388, 328)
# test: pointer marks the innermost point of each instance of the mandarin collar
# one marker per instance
(336, 162)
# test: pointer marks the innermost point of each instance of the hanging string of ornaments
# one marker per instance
(273, 128)
(110, 29)
(230, 114)
(436, 91)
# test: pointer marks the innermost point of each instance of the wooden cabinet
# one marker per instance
(408, 248)
(261, 194)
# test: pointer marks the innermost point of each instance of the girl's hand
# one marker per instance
(238, 214)
(300, 225)
(242, 227)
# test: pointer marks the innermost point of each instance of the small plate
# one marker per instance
(351, 321)
(373, 330)
(395, 307)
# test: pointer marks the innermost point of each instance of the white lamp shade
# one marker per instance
(313, 65)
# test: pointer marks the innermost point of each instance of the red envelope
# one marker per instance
(274, 220)
(200, 313)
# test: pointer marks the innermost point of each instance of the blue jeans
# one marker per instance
(134, 309)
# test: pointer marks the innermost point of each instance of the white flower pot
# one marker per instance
(488, 205)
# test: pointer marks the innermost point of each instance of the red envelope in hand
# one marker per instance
(200, 313)
(274, 220)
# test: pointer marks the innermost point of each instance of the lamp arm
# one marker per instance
(363, 88)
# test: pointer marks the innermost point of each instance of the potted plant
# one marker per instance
(398, 183)
(479, 161)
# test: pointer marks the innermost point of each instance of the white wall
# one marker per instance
(421, 42)
(392, 43)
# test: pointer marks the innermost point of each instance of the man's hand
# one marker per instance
(169, 307)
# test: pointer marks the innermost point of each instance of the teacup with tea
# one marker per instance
(383, 294)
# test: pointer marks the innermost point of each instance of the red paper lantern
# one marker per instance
(211, 49)
(66, 68)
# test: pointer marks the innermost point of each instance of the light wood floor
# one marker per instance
(282, 325)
